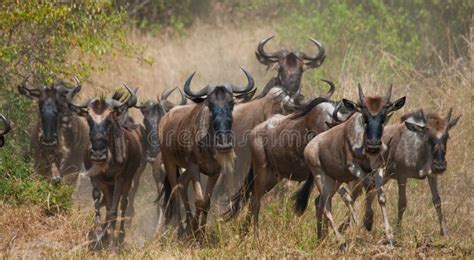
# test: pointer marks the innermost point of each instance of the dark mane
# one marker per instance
(417, 115)
(119, 95)
(306, 109)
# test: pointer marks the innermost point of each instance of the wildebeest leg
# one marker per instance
(171, 174)
(402, 199)
(379, 176)
(96, 196)
(193, 170)
(133, 191)
(159, 176)
(327, 188)
(349, 199)
(55, 174)
(112, 213)
(123, 209)
(183, 181)
(264, 181)
(101, 230)
(369, 212)
(211, 183)
(433, 181)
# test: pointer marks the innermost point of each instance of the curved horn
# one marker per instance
(189, 92)
(168, 104)
(264, 57)
(29, 92)
(316, 61)
(334, 113)
(132, 99)
(7, 125)
(388, 95)
(70, 95)
(331, 89)
(361, 94)
(77, 81)
(250, 84)
(183, 97)
(448, 116)
(262, 52)
(167, 93)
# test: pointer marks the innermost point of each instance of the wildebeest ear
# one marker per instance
(397, 104)
(453, 122)
(29, 93)
(414, 127)
(350, 105)
(79, 111)
(242, 98)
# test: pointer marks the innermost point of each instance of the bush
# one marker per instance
(380, 36)
(41, 38)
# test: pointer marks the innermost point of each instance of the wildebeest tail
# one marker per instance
(169, 201)
(240, 198)
(301, 196)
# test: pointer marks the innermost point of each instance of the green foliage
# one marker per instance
(50, 40)
(40, 36)
(158, 15)
(389, 35)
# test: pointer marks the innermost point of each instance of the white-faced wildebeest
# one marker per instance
(152, 111)
(199, 138)
(59, 138)
(5, 130)
(112, 160)
(281, 95)
(416, 148)
(347, 152)
(277, 147)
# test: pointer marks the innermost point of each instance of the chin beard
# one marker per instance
(225, 160)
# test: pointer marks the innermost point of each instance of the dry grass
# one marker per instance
(216, 53)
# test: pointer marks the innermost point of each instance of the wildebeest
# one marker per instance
(111, 161)
(289, 65)
(416, 148)
(59, 138)
(277, 146)
(199, 138)
(345, 153)
(153, 112)
(6, 129)
(281, 95)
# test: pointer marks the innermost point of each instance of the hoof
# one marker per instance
(368, 226)
(56, 180)
(388, 242)
(443, 232)
(182, 233)
(343, 247)
(99, 240)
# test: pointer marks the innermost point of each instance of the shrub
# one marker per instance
(40, 38)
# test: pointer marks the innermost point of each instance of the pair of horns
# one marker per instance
(208, 89)
(164, 98)
(130, 102)
(267, 58)
(386, 98)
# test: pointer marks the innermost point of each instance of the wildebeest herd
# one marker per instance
(250, 143)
